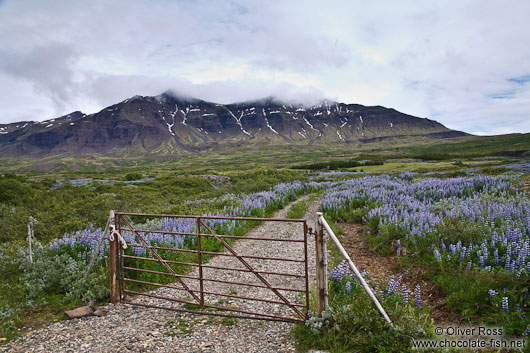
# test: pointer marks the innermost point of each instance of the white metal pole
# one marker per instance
(353, 267)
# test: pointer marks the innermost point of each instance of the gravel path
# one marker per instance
(129, 328)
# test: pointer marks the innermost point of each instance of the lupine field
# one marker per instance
(467, 235)
(83, 243)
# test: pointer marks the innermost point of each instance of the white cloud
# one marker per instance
(451, 60)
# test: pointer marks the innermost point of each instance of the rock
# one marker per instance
(79, 312)
(100, 312)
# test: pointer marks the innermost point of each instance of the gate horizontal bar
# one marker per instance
(211, 236)
(214, 267)
(213, 280)
(297, 220)
(215, 253)
(211, 293)
(213, 314)
(210, 306)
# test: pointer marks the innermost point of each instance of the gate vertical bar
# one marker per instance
(120, 267)
(306, 230)
(121, 275)
(199, 254)
(321, 267)
(112, 263)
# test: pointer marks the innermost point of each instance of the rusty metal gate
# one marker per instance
(142, 267)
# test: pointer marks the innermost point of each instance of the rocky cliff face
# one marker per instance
(168, 124)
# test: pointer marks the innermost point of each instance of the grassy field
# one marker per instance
(256, 156)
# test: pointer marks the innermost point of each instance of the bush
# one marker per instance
(61, 274)
(13, 191)
(133, 176)
(263, 179)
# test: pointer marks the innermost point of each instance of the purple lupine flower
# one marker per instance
(389, 287)
(505, 305)
(437, 255)
(405, 294)
(496, 255)
(417, 296)
(463, 254)
(348, 287)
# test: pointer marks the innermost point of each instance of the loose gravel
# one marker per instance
(131, 328)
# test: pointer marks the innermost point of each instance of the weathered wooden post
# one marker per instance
(30, 251)
(95, 256)
(31, 225)
(322, 267)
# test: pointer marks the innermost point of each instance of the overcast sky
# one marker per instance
(463, 63)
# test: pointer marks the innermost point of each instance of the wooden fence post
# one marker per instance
(322, 267)
(30, 251)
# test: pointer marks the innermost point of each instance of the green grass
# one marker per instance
(179, 327)
(278, 156)
(297, 210)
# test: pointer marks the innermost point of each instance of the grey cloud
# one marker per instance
(111, 89)
(47, 67)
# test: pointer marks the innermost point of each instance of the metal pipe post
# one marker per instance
(352, 266)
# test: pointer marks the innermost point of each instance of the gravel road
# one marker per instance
(129, 328)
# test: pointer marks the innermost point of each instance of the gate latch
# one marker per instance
(114, 232)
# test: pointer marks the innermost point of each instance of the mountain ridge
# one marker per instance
(174, 124)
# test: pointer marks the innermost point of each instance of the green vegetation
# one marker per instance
(60, 207)
(337, 164)
(174, 328)
(228, 159)
(133, 176)
(69, 208)
(297, 210)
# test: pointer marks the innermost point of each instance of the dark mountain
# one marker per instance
(169, 124)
